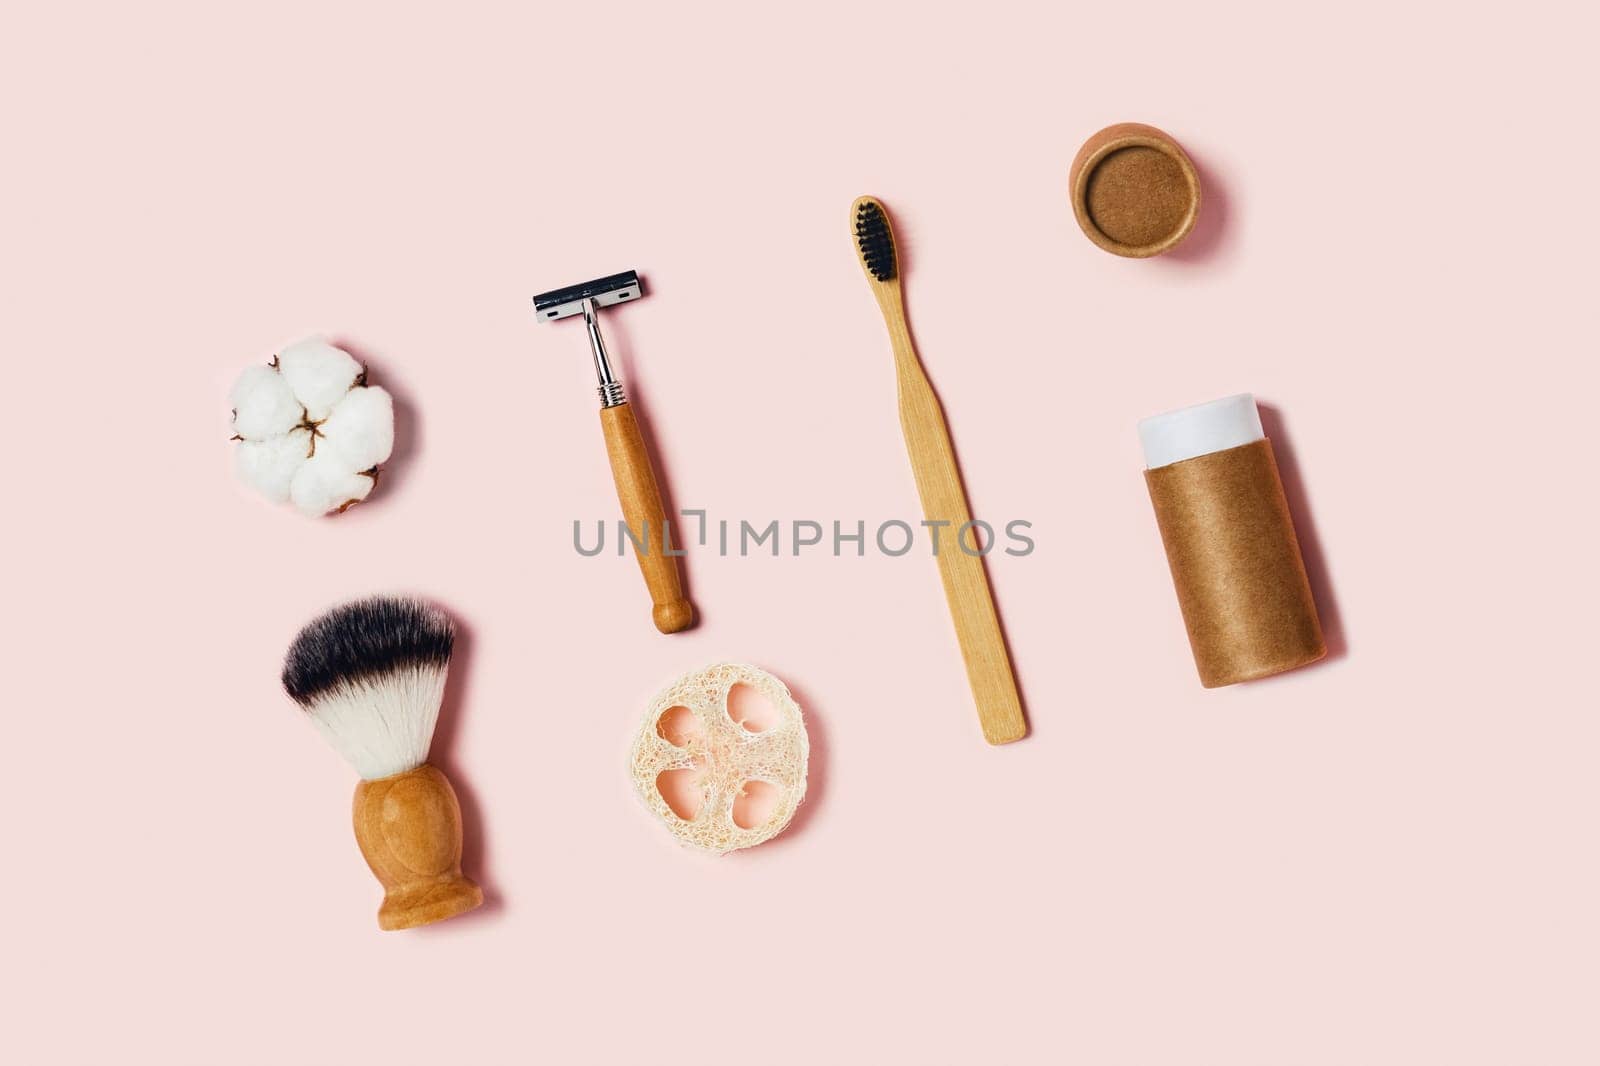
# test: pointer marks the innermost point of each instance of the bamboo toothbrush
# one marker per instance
(933, 462)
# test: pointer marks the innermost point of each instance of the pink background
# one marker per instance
(1387, 858)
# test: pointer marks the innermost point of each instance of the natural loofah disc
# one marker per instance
(723, 756)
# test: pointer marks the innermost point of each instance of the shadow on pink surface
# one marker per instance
(1212, 235)
(1305, 529)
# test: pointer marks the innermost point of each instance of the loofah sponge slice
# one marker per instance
(724, 755)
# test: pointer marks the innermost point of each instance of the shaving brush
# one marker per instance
(371, 675)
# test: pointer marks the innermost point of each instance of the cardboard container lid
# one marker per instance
(1135, 191)
(1190, 432)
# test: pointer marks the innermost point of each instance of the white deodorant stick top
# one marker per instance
(1200, 430)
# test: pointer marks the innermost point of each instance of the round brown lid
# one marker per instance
(1134, 190)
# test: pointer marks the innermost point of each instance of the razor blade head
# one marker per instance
(561, 303)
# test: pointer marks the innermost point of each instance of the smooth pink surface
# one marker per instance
(1387, 858)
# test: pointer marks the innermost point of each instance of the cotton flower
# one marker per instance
(311, 431)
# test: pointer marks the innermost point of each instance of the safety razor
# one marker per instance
(640, 495)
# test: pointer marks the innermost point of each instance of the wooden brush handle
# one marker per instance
(409, 830)
(645, 517)
(966, 584)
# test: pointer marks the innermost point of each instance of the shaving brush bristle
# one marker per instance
(371, 676)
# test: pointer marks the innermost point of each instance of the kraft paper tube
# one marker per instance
(1230, 542)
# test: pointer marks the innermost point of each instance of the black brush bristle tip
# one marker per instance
(875, 241)
(366, 639)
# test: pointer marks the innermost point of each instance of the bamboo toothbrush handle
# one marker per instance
(966, 584)
(645, 517)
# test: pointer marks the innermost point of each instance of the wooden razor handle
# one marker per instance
(409, 829)
(645, 517)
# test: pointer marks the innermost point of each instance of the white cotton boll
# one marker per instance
(324, 483)
(263, 404)
(360, 430)
(310, 429)
(318, 373)
(269, 466)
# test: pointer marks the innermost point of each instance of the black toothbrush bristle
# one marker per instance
(875, 241)
(364, 639)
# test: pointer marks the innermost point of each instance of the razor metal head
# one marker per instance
(561, 303)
